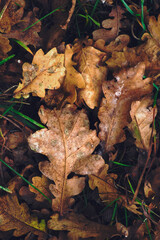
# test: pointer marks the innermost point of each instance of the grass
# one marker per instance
(24, 179)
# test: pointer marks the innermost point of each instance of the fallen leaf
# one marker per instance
(68, 143)
(29, 36)
(80, 227)
(111, 27)
(154, 28)
(12, 15)
(42, 183)
(5, 47)
(45, 72)
(105, 184)
(94, 72)
(142, 118)
(16, 217)
(73, 78)
(115, 107)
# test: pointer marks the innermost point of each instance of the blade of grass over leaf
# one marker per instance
(88, 16)
(5, 189)
(27, 118)
(41, 19)
(7, 59)
(23, 45)
(110, 204)
(25, 180)
(128, 8)
(156, 94)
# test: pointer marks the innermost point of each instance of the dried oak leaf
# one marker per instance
(111, 27)
(12, 14)
(68, 143)
(30, 36)
(94, 72)
(73, 78)
(45, 72)
(79, 227)
(154, 28)
(5, 47)
(42, 183)
(105, 184)
(142, 114)
(15, 216)
(115, 107)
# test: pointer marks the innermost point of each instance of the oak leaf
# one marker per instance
(29, 36)
(73, 78)
(15, 216)
(115, 107)
(5, 47)
(45, 72)
(68, 143)
(79, 227)
(142, 118)
(12, 14)
(105, 184)
(42, 183)
(111, 27)
(94, 72)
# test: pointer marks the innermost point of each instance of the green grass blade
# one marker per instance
(88, 16)
(41, 19)
(114, 212)
(5, 189)
(128, 8)
(122, 164)
(27, 118)
(142, 15)
(7, 59)
(25, 180)
(94, 8)
(23, 45)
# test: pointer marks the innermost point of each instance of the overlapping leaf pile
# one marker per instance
(79, 76)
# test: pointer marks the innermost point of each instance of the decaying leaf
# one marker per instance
(15, 216)
(29, 36)
(79, 227)
(5, 47)
(115, 107)
(46, 72)
(42, 183)
(105, 184)
(111, 27)
(154, 28)
(73, 78)
(68, 143)
(142, 118)
(11, 15)
(94, 72)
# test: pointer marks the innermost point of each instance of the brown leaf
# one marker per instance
(111, 27)
(68, 143)
(29, 36)
(94, 72)
(15, 216)
(11, 15)
(45, 72)
(42, 183)
(105, 184)
(142, 118)
(5, 47)
(154, 28)
(79, 227)
(73, 78)
(115, 107)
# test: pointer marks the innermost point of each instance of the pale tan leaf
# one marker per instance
(68, 143)
(115, 107)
